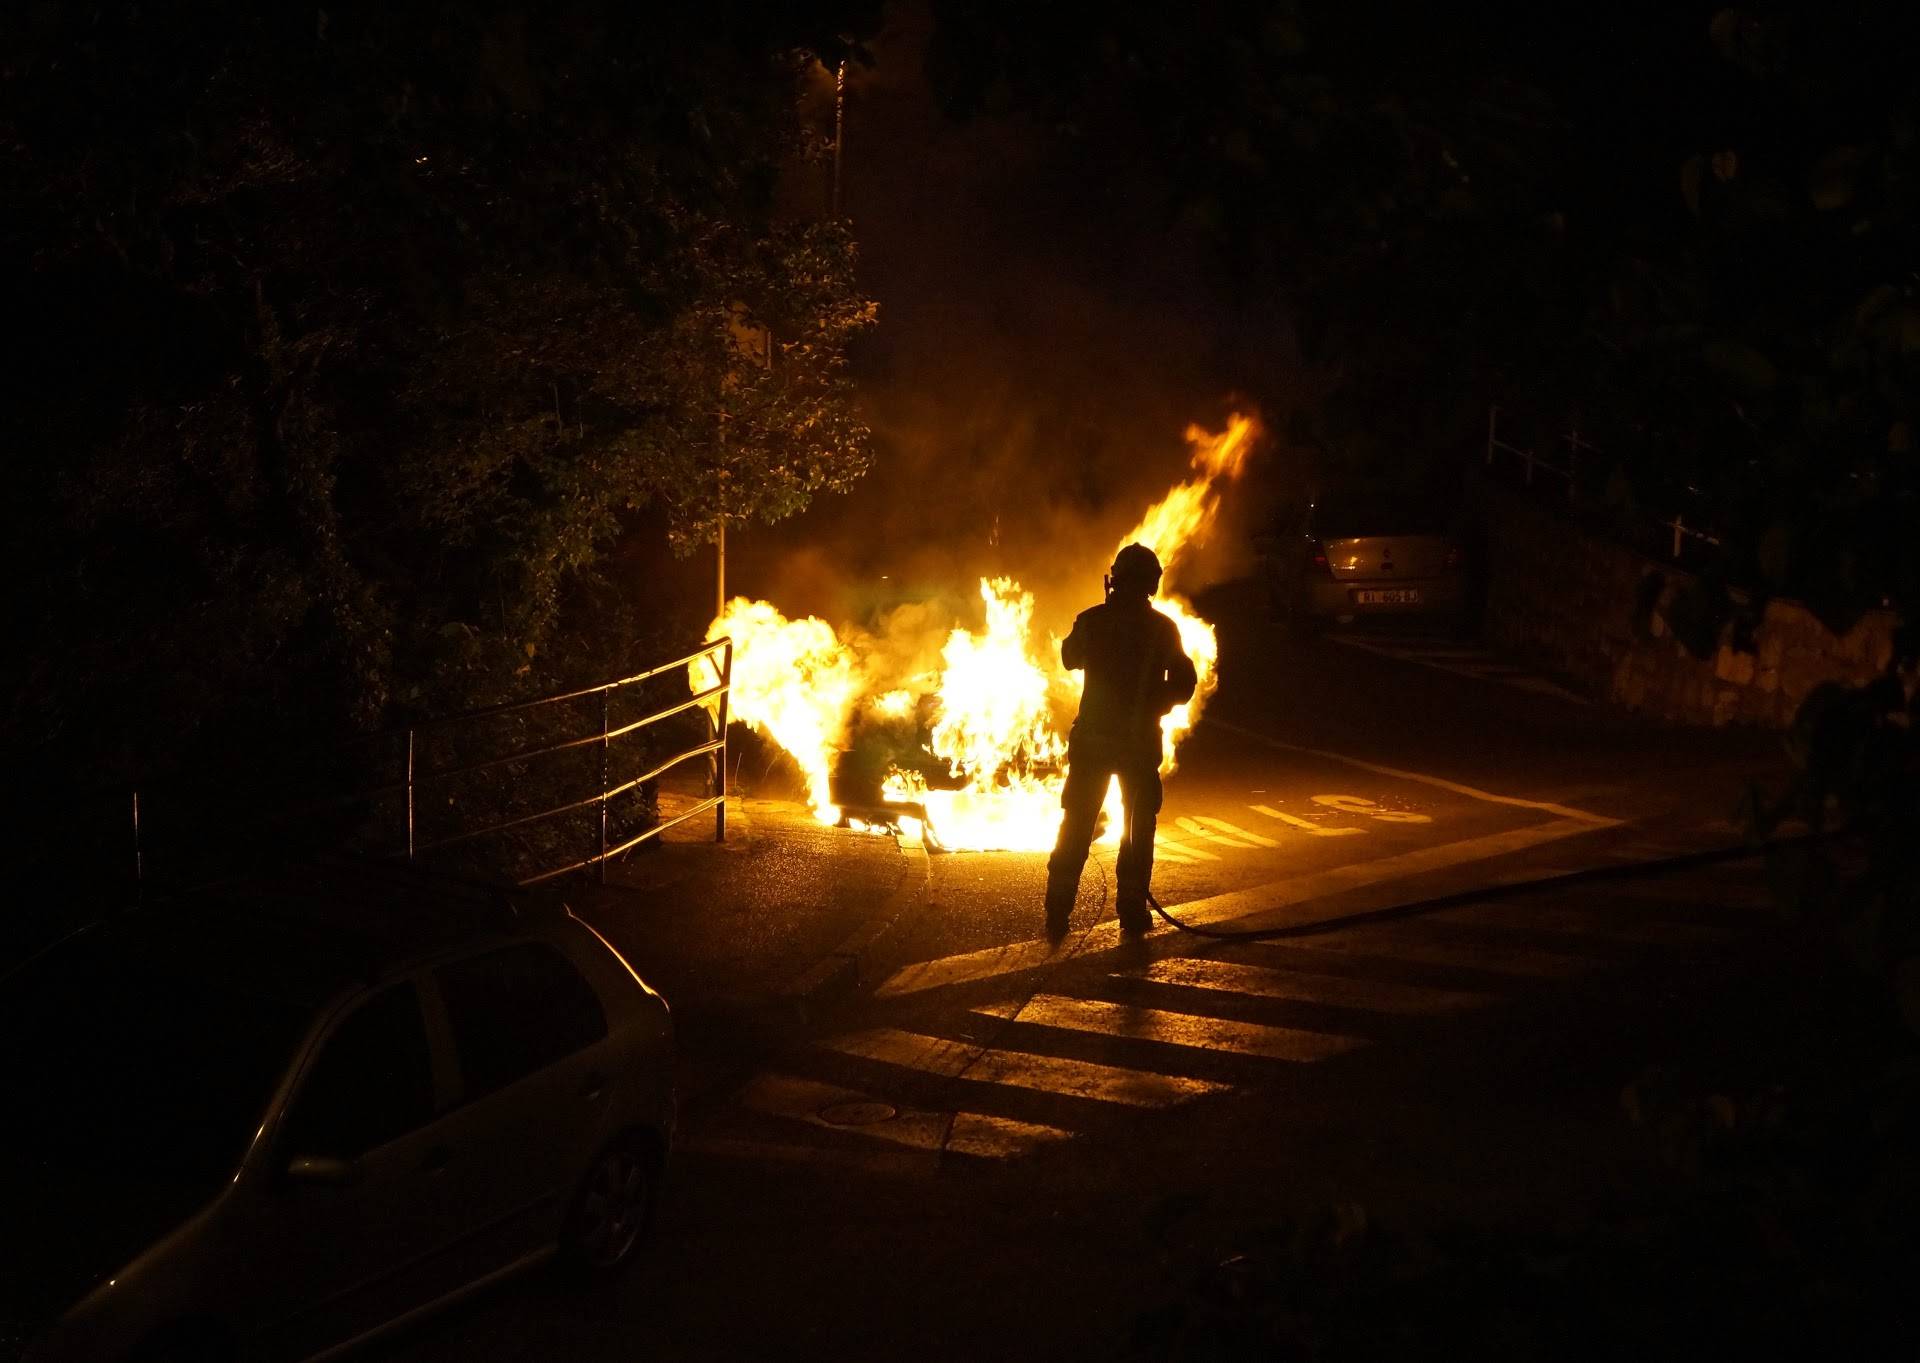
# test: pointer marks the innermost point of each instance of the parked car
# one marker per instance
(287, 1115)
(1357, 555)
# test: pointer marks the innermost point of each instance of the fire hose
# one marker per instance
(1623, 871)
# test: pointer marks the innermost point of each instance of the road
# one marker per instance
(976, 1153)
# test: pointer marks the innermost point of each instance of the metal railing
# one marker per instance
(712, 662)
(1530, 462)
(715, 696)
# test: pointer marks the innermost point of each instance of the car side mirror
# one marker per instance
(325, 1170)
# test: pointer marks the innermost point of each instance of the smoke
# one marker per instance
(1044, 342)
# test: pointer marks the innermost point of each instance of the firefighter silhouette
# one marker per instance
(1135, 671)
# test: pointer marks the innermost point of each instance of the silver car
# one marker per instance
(1360, 555)
(288, 1116)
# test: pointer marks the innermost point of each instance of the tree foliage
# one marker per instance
(350, 338)
(1360, 171)
(1774, 339)
(1691, 230)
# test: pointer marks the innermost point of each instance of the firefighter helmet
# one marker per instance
(1135, 568)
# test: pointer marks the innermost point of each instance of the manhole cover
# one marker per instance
(857, 1114)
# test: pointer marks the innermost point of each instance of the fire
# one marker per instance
(994, 727)
(1172, 525)
(794, 681)
(892, 705)
(999, 696)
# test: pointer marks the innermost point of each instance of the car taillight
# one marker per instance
(1317, 556)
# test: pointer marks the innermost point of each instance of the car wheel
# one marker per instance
(612, 1210)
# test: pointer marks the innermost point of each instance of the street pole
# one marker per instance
(720, 535)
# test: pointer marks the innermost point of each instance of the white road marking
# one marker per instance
(1439, 783)
(1305, 825)
(1084, 1079)
(1185, 849)
(1179, 851)
(979, 1134)
(1279, 894)
(1341, 991)
(909, 1050)
(1183, 1029)
(1369, 809)
(1234, 830)
(1195, 827)
(1043, 1073)
(1355, 875)
(988, 1137)
(968, 965)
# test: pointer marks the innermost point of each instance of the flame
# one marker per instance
(994, 727)
(794, 681)
(998, 697)
(995, 715)
(1185, 515)
(893, 704)
(1172, 525)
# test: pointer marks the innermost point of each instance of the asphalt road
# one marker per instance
(975, 1155)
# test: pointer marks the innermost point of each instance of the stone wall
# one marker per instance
(1580, 605)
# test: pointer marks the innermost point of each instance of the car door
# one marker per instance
(357, 1224)
(536, 1084)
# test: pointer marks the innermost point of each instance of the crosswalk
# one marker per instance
(1115, 1031)
(1190, 839)
(1461, 657)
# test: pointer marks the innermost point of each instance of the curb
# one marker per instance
(1502, 889)
(829, 980)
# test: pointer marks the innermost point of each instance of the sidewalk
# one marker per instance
(751, 933)
(754, 938)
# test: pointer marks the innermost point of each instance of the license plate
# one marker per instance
(1404, 596)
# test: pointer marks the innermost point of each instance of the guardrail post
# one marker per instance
(1679, 531)
(606, 779)
(139, 856)
(720, 765)
(409, 792)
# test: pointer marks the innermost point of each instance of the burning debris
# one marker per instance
(987, 719)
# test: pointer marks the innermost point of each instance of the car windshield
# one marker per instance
(110, 1064)
(1340, 516)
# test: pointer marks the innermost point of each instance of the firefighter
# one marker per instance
(1136, 672)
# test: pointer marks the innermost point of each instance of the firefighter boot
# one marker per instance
(1131, 910)
(1063, 887)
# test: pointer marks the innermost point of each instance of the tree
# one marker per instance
(1690, 229)
(1775, 330)
(353, 338)
(1363, 172)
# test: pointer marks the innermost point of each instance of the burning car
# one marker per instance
(989, 702)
